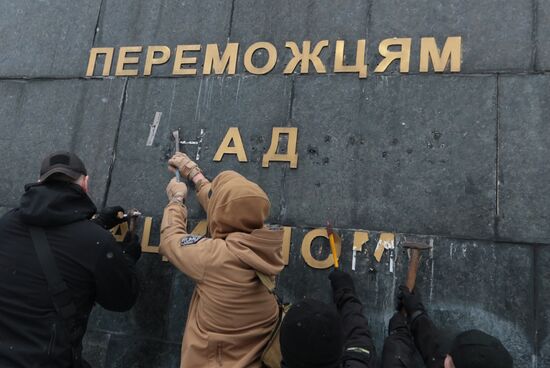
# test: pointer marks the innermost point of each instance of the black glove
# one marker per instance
(108, 218)
(131, 246)
(398, 325)
(410, 301)
(341, 280)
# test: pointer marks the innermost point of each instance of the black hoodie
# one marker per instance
(89, 260)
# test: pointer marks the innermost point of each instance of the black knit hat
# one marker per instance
(311, 336)
(62, 162)
(476, 349)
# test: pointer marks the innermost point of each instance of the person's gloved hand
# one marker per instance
(176, 191)
(187, 167)
(341, 280)
(410, 301)
(108, 217)
(131, 246)
(398, 324)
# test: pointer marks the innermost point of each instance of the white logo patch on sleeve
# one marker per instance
(190, 240)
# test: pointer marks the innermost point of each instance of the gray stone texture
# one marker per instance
(412, 154)
(254, 104)
(169, 23)
(524, 148)
(96, 344)
(459, 158)
(46, 38)
(281, 21)
(542, 272)
(39, 117)
(497, 35)
(542, 35)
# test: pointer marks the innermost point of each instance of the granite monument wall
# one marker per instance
(458, 159)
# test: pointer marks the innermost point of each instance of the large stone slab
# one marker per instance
(95, 345)
(543, 30)
(281, 21)
(524, 146)
(496, 34)
(167, 23)
(413, 154)
(542, 279)
(46, 38)
(39, 117)
(254, 104)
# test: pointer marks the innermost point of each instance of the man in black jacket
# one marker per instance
(469, 349)
(316, 335)
(92, 265)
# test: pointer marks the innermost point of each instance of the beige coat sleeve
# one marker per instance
(202, 195)
(183, 250)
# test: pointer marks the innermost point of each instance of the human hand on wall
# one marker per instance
(109, 217)
(187, 167)
(411, 301)
(340, 280)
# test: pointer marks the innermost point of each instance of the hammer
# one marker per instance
(414, 262)
(132, 216)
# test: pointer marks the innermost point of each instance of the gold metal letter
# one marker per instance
(123, 60)
(236, 149)
(228, 60)
(306, 248)
(389, 56)
(108, 52)
(359, 238)
(305, 57)
(145, 247)
(119, 231)
(359, 67)
(452, 50)
(291, 154)
(152, 60)
(271, 61)
(181, 60)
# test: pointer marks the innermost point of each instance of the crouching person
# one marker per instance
(232, 314)
(316, 335)
(469, 349)
(55, 264)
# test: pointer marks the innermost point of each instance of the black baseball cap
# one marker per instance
(476, 349)
(62, 162)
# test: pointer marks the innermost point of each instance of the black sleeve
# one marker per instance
(427, 340)
(399, 347)
(116, 282)
(359, 351)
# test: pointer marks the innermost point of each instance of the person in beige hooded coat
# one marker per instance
(232, 314)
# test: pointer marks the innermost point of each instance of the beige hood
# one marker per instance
(237, 210)
(236, 205)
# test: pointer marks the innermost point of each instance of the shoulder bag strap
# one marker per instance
(61, 296)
